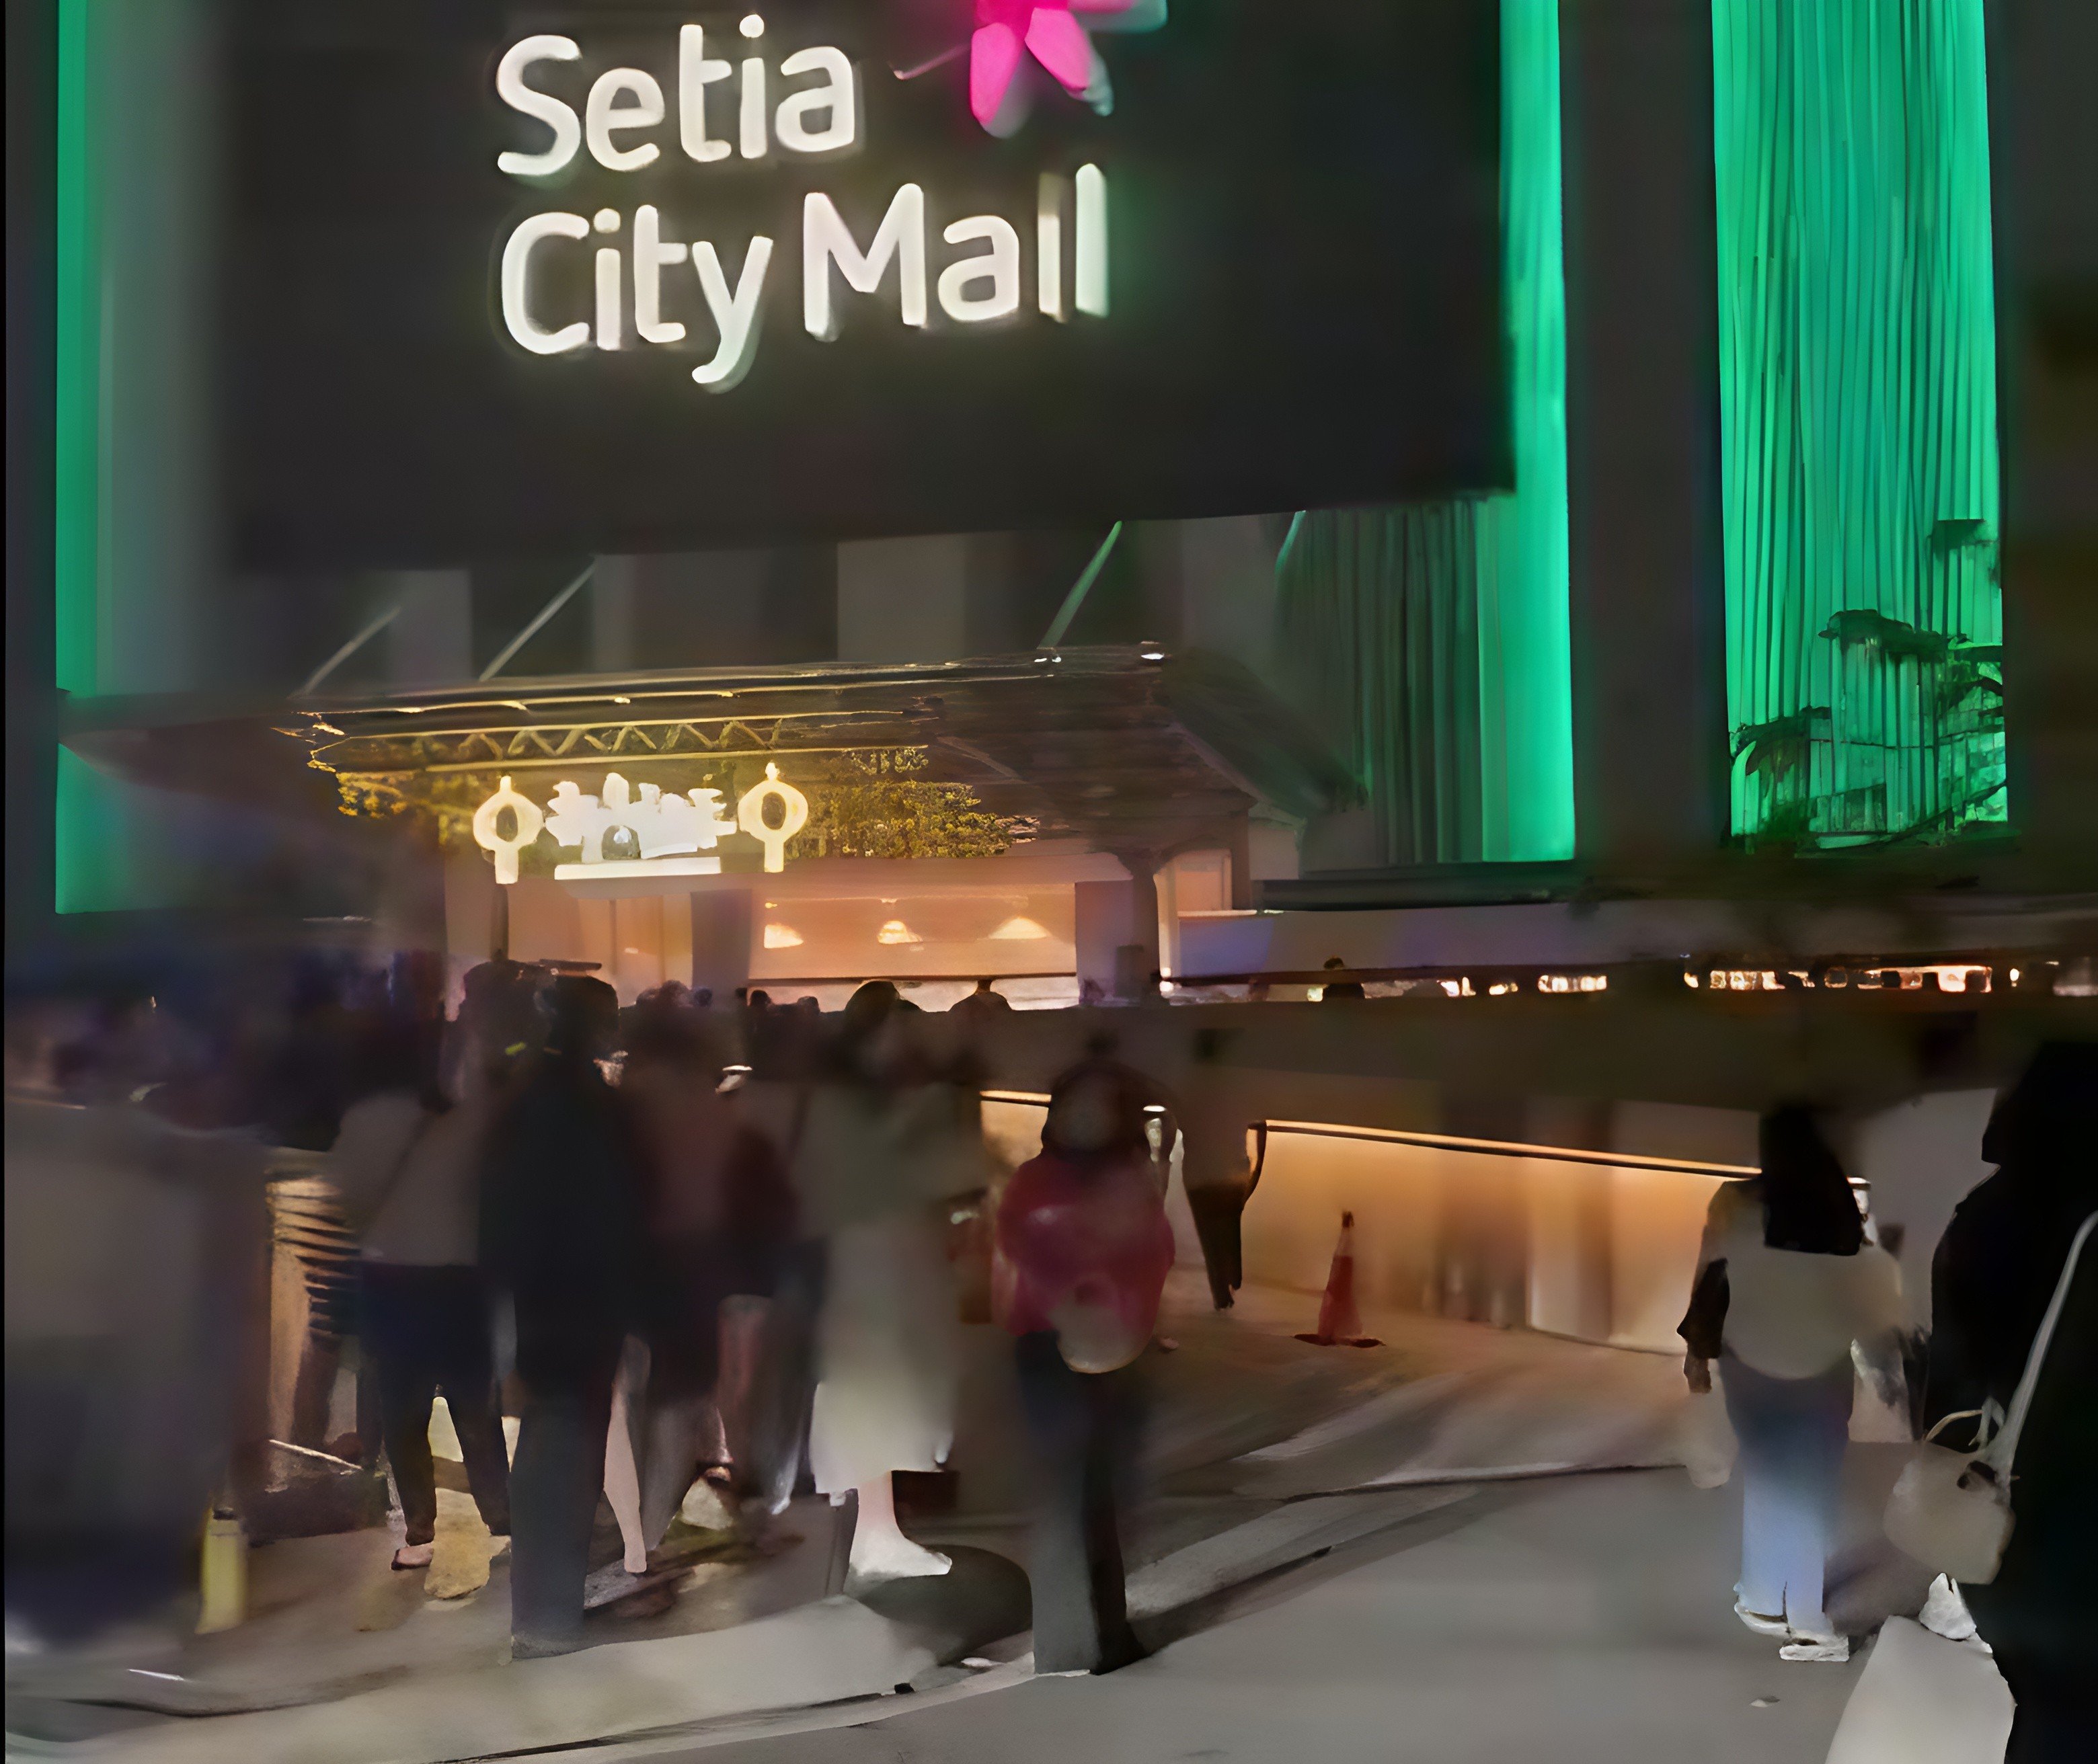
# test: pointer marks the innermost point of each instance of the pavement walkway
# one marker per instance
(1264, 1452)
(1583, 1620)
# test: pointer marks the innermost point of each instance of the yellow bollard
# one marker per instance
(225, 1575)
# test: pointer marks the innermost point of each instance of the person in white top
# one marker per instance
(406, 1162)
(1786, 1283)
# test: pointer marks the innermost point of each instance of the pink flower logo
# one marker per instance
(1058, 34)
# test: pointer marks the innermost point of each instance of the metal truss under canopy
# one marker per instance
(1130, 749)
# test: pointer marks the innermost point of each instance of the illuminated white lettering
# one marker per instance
(837, 95)
(821, 114)
(511, 88)
(734, 315)
(603, 113)
(1089, 259)
(516, 265)
(826, 240)
(752, 130)
(696, 73)
(651, 257)
(999, 266)
(1049, 248)
(608, 283)
(751, 134)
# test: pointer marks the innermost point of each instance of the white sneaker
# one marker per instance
(1761, 1625)
(1832, 1649)
(1944, 1611)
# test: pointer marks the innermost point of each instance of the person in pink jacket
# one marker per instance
(1082, 1249)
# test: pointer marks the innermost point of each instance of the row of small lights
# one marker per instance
(1950, 978)
(780, 935)
(1964, 977)
(1463, 988)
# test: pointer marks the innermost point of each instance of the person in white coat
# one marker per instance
(879, 1143)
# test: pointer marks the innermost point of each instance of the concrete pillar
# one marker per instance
(470, 891)
(2041, 55)
(1227, 590)
(1103, 915)
(615, 593)
(1117, 928)
(722, 920)
(430, 641)
(903, 599)
(637, 944)
(1642, 430)
(1168, 884)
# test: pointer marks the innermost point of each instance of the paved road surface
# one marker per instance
(1583, 1621)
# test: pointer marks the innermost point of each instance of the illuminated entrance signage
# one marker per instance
(951, 265)
(622, 835)
(625, 125)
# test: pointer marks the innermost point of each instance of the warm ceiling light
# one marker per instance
(779, 936)
(1017, 929)
(896, 932)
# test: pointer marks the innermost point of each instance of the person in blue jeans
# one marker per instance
(1785, 1283)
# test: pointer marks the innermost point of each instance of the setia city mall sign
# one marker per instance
(952, 266)
(714, 113)
(622, 835)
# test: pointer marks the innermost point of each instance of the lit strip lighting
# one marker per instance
(1454, 1141)
(1566, 1154)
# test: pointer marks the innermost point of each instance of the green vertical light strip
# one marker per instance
(1434, 639)
(77, 439)
(1525, 619)
(1859, 445)
(88, 820)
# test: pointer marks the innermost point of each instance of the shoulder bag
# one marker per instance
(1952, 1510)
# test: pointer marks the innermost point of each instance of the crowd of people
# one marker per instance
(722, 1254)
(710, 1254)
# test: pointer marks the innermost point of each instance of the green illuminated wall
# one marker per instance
(90, 842)
(133, 560)
(1435, 637)
(1857, 385)
(78, 435)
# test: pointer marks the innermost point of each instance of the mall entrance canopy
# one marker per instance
(1055, 761)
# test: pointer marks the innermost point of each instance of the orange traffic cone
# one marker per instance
(1340, 1323)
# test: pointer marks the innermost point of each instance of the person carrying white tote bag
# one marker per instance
(1952, 1510)
(1923, 1699)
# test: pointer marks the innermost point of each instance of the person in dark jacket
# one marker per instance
(1994, 1272)
(562, 1236)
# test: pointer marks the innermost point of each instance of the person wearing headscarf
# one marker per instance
(1996, 1272)
(1785, 1284)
